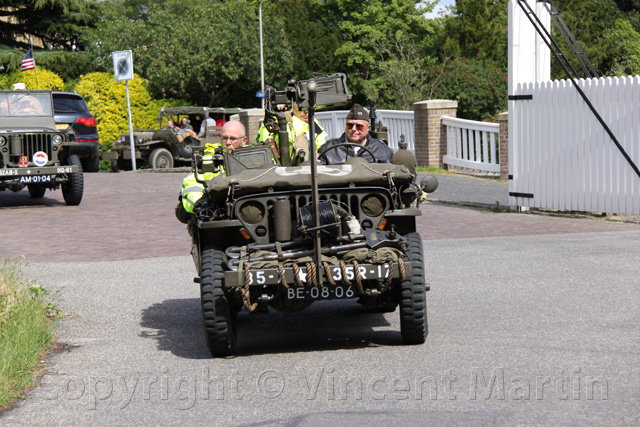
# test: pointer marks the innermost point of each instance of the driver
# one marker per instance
(357, 132)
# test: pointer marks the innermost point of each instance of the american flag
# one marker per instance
(28, 63)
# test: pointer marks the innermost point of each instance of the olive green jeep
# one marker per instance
(33, 152)
(163, 148)
(274, 236)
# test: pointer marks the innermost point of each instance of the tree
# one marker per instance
(606, 40)
(210, 56)
(477, 29)
(55, 23)
(481, 91)
(363, 24)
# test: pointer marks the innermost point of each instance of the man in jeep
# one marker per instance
(233, 136)
(355, 142)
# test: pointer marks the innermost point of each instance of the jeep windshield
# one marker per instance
(25, 104)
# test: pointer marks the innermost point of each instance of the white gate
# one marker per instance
(560, 156)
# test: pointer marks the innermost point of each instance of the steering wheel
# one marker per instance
(348, 144)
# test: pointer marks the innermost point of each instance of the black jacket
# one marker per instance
(340, 155)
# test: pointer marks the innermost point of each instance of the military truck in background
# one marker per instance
(275, 236)
(163, 148)
(33, 152)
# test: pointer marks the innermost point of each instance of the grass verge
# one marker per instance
(25, 332)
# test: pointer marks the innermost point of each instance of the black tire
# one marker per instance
(72, 189)
(91, 164)
(160, 158)
(217, 316)
(36, 191)
(413, 298)
(115, 166)
(185, 148)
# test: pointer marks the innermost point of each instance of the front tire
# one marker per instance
(36, 191)
(413, 298)
(217, 315)
(72, 189)
(160, 158)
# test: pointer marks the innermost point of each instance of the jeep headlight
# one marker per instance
(3, 141)
(57, 139)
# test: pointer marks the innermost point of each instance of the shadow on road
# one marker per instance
(336, 325)
(9, 199)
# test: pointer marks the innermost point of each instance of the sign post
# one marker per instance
(123, 70)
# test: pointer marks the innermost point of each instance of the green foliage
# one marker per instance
(52, 23)
(107, 100)
(478, 29)
(46, 79)
(313, 41)
(626, 60)
(25, 332)
(481, 91)
(210, 56)
(363, 24)
(400, 75)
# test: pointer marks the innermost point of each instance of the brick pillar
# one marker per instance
(430, 134)
(251, 119)
(503, 120)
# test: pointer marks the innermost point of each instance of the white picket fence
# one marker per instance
(472, 144)
(397, 123)
(560, 156)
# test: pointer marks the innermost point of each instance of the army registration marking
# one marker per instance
(325, 292)
(8, 172)
(365, 272)
(64, 169)
(35, 179)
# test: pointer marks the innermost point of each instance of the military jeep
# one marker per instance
(274, 236)
(162, 148)
(33, 152)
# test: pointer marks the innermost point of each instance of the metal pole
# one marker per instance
(261, 54)
(312, 88)
(133, 150)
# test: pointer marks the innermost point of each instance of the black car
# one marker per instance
(71, 111)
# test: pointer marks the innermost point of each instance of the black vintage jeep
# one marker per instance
(277, 236)
(161, 148)
(33, 152)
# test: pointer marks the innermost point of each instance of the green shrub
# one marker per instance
(107, 100)
(46, 79)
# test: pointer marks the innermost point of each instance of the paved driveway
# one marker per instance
(131, 216)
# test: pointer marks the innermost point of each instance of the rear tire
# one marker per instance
(185, 148)
(217, 315)
(160, 158)
(413, 298)
(72, 189)
(36, 191)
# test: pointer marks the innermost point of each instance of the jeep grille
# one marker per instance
(27, 144)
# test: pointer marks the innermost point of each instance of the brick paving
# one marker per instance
(131, 216)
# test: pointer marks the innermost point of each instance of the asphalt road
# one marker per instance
(532, 320)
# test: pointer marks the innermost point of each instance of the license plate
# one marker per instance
(36, 179)
(61, 126)
(325, 292)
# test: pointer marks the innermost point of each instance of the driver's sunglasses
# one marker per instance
(359, 126)
(230, 138)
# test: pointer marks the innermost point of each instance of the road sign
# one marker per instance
(123, 65)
